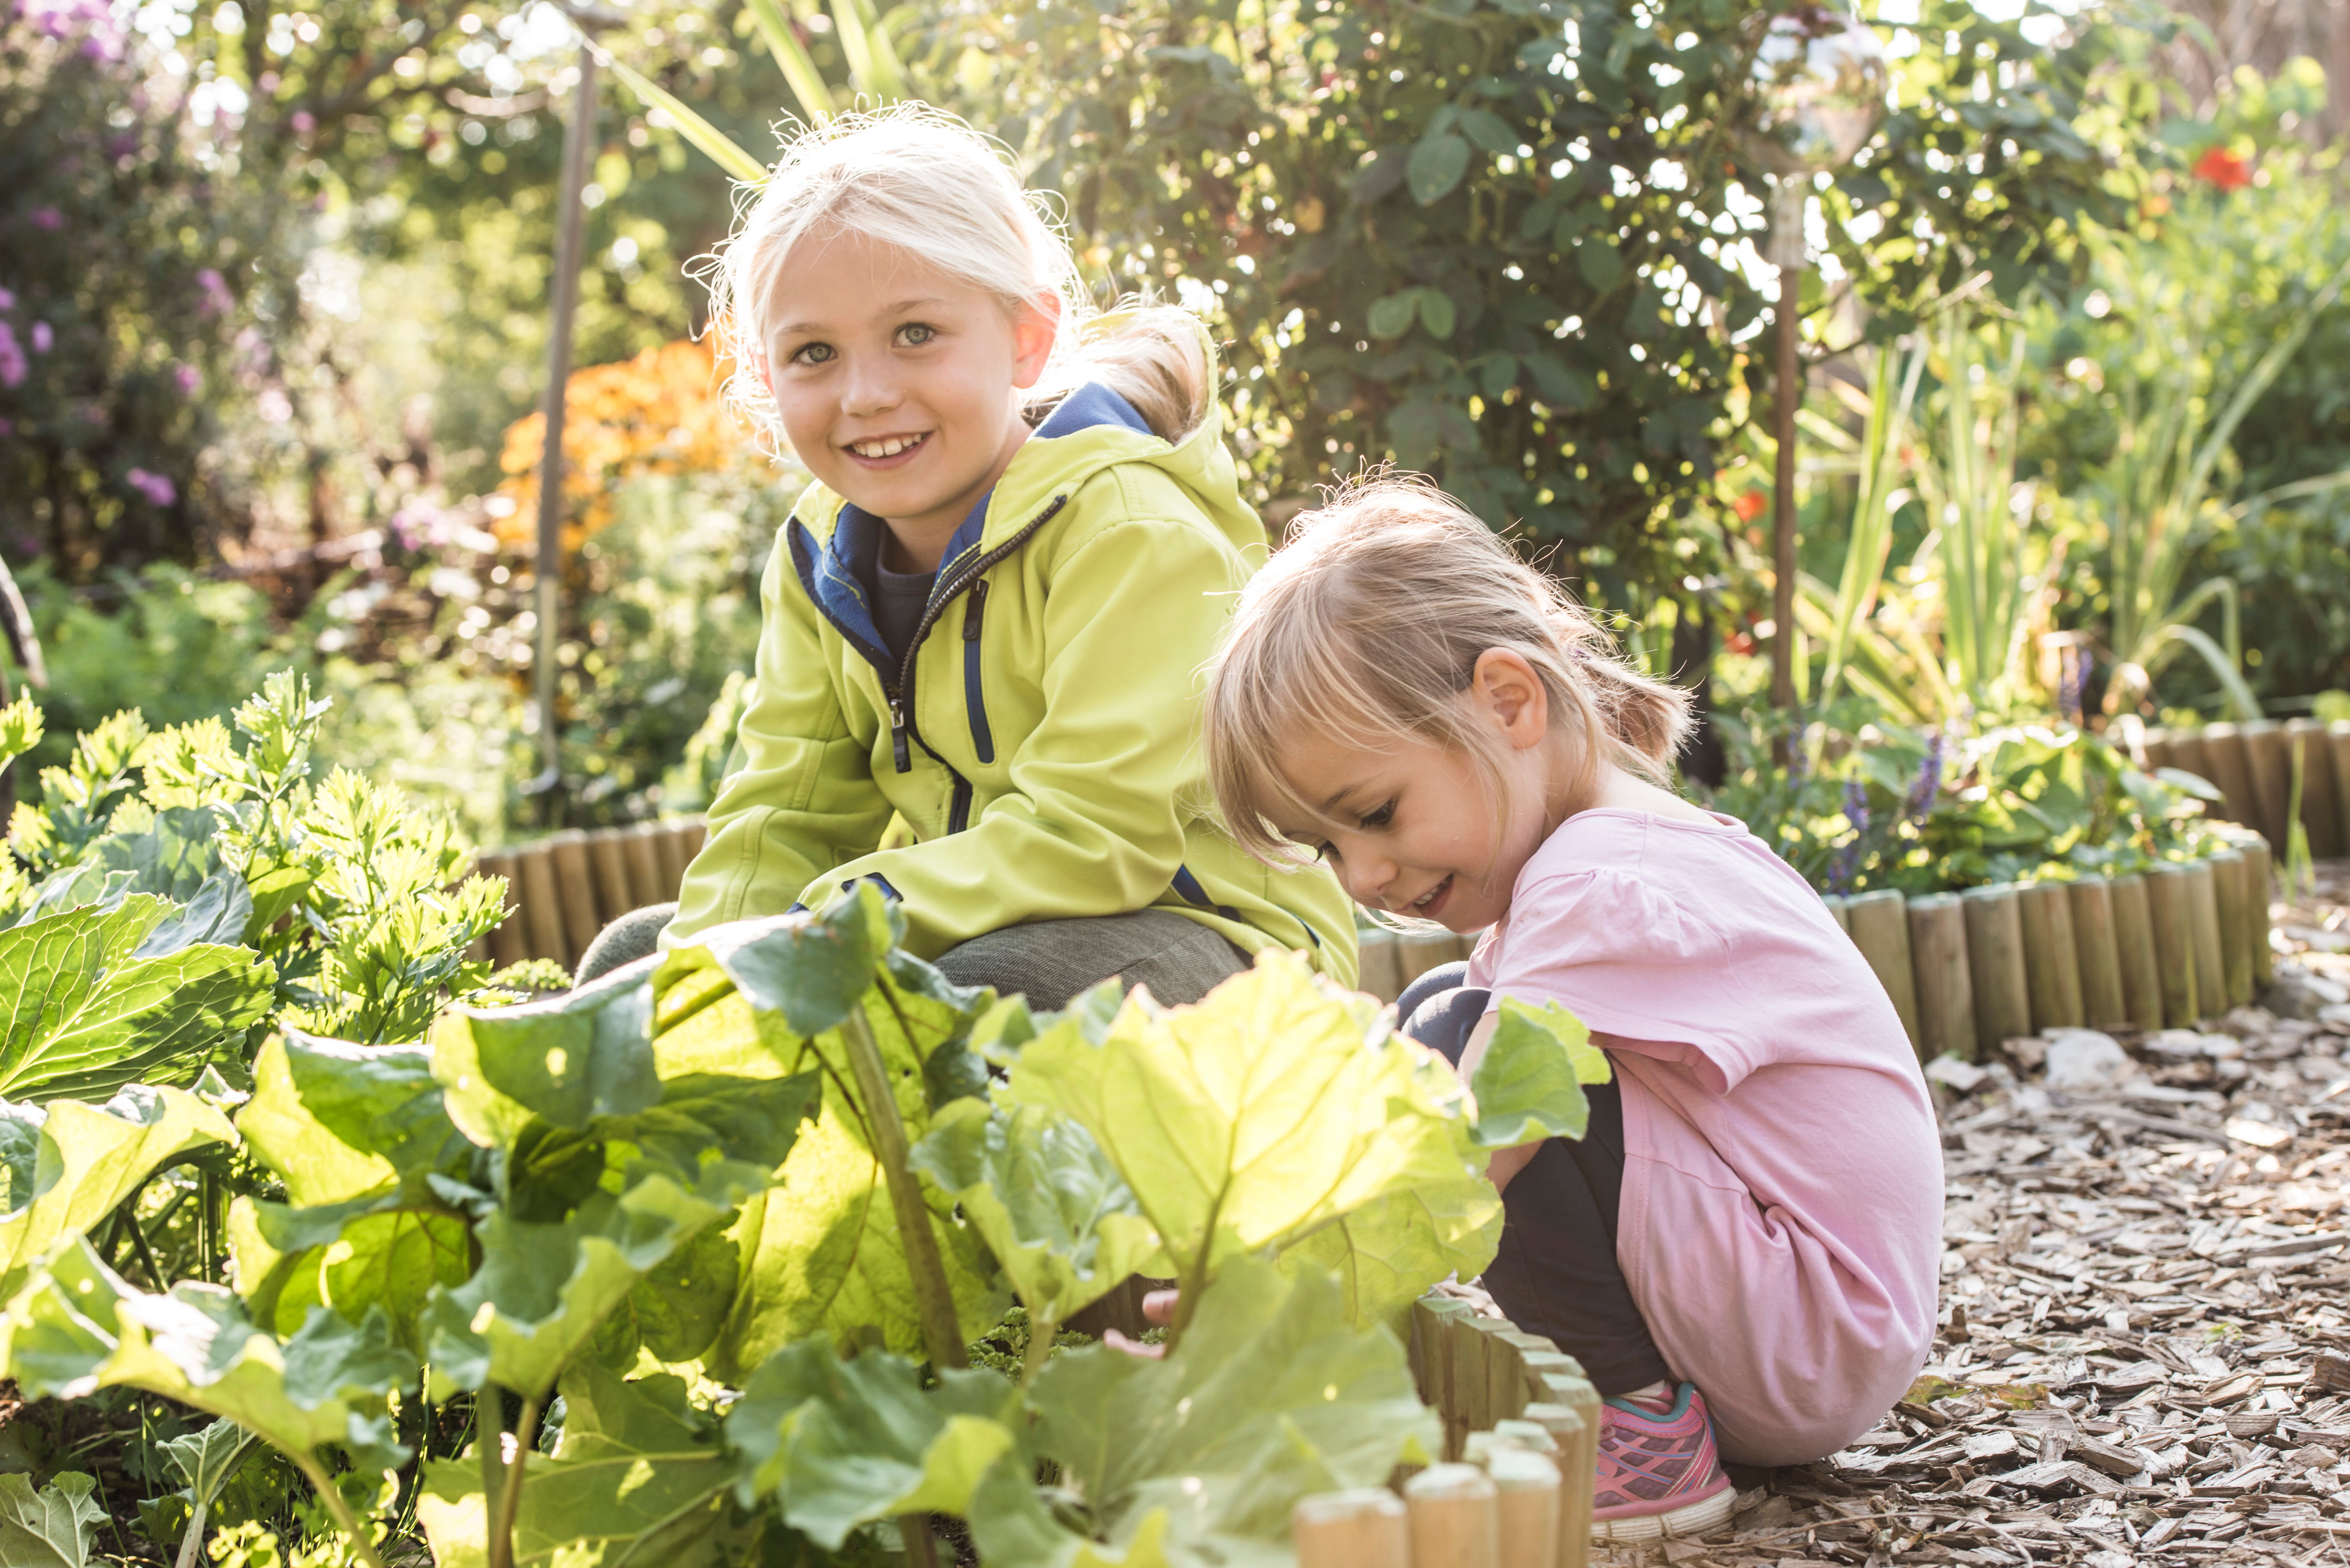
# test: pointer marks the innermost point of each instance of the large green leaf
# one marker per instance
(1053, 1210)
(1387, 1253)
(85, 1012)
(543, 1291)
(67, 1165)
(564, 1062)
(1272, 1109)
(638, 1477)
(50, 1528)
(334, 1120)
(824, 1254)
(843, 1443)
(76, 1327)
(1529, 1083)
(1197, 1459)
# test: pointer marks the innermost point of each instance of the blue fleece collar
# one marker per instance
(836, 577)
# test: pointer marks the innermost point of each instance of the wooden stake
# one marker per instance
(2270, 764)
(1417, 952)
(1363, 1528)
(1879, 923)
(1840, 908)
(2232, 886)
(2203, 909)
(575, 885)
(1455, 1518)
(1995, 963)
(692, 833)
(2168, 904)
(647, 881)
(2321, 806)
(1576, 1476)
(2101, 1002)
(670, 847)
(507, 945)
(1376, 958)
(2156, 747)
(2052, 966)
(541, 905)
(1578, 1461)
(2190, 754)
(1946, 996)
(2231, 770)
(610, 865)
(1529, 1507)
(2134, 945)
(2262, 879)
(2337, 745)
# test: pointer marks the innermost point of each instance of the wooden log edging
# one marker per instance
(2180, 944)
(1512, 1487)
(2250, 766)
(564, 889)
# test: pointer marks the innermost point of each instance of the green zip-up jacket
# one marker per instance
(1041, 739)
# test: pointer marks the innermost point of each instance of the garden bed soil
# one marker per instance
(2144, 1351)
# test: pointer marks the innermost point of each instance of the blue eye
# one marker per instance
(814, 354)
(914, 334)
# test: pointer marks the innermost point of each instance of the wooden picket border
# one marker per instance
(563, 890)
(2250, 764)
(1513, 1486)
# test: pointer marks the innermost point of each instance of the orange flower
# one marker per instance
(1750, 505)
(2220, 167)
(660, 413)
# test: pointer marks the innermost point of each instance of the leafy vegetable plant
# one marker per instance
(703, 1243)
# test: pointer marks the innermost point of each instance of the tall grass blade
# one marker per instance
(721, 149)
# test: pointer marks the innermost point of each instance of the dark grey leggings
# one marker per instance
(1556, 1273)
(1048, 961)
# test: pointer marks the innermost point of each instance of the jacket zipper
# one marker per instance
(903, 734)
(974, 699)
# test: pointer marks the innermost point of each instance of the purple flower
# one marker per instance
(8, 300)
(304, 122)
(158, 490)
(1929, 787)
(217, 300)
(1847, 863)
(7, 427)
(188, 379)
(47, 218)
(43, 339)
(13, 364)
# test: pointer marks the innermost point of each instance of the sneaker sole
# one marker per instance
(1701, 1518)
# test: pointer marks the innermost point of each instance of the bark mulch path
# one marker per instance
(2144, 1351)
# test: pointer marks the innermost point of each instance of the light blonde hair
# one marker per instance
(1368, 627)
(922, 180)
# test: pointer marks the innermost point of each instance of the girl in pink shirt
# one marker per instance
(1742, 1250)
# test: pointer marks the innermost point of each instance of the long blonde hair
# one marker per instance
(921, 180)
(1367, 627)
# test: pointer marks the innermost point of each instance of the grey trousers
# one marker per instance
(1048, 961)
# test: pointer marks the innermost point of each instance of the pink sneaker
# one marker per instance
(1659, 1475)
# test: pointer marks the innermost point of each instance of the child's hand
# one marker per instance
(1159, 1306)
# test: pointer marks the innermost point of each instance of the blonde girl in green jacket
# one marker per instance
(987, 615)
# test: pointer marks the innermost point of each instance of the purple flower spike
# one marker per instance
(187, 377)
(13, 364)
(158, 490)
(44, 339)
(47, 218)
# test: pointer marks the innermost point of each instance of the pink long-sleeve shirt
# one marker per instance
(1782, 1206)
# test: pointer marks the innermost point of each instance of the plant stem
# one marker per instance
(941, 1335)
(345, 1519)
(1042, 1332)
(146, 1253)
(509, 1502)
(489, 1442)
(922, 1550)
(193, 1537)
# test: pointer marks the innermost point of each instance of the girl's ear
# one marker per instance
(766, 371)
(1511, 696)
(1035, 327)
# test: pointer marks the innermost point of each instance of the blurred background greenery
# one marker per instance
(275, 276)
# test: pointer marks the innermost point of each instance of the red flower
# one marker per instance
(2222, 168)
(1750, 505)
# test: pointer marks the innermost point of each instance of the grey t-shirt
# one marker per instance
(899, 600)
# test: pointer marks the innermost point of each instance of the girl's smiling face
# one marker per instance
(898, 386)
(1416, 829)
